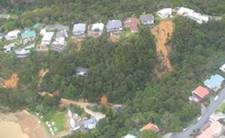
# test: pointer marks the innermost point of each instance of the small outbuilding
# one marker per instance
(79, 29)
(114, 26)
(132, 24)
(199, 94)
(147, 19)
(165, 13)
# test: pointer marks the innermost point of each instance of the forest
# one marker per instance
(123, 71)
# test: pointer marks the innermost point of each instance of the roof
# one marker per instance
(214, 128)
(222, 68)
(13, 33)
(184, 10)
(97, 27)
(214, 82)
(28, 34)
(81, 71)
(201, 92)
(113, 24)
(150, 127)
(131, 23)
(22, 51)
(200, 18)
(146, 18)
(129, 136)
(61, 34)
(79, 27)
(164, 13)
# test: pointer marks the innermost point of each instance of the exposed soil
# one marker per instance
(163, 32)
(114, 37)
(42, 74)
(10, 83)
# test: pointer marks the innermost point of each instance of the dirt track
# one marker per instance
(163, 32)
(10, 83)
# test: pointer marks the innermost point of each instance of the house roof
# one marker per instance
(215, 81)
(79, 27)
(13, 33)
(146, 18)
(48, 36)
(132, 23)
(57, 26)
(165, 12)
(22, 51)
(184, 10)
(201, 92)
(28, 34)
(97, 26)
(214, 128)
(222, 68)
(150, 127)
(112, 24)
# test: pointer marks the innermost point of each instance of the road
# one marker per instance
(204, 119)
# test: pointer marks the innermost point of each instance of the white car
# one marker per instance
(216, 98)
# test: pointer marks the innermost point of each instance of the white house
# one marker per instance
(97, 27)
(182, 11)
(47, 38)
(165, 13)
(12, 35)
(197, 17)
(9, 48)
(22, 53)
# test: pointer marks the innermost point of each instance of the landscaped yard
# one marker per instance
(59, 119)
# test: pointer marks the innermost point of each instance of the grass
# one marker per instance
(59, 119)
(221, 108)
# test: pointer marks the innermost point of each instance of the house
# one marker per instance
(90, 123)
(12, 35)
(197, 17)
(80, 71)
(147, 19)
(28, 36)
(47, 38)
(73, 125)
(214, 83)
(150, 127)
(165, 13)
(213, 129)
(114, 26)
(59, 42)
(97, 29)
(56, 27)
(182, 11)
(9, 48)
(199, 94)
(222, 68)
(29, 47)
(22, 53)
(132, 24)
(79, 29)
(129, 136)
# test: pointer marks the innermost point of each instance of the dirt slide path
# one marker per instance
(163, 32)
(10, 83)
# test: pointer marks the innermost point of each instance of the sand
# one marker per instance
(11, 130)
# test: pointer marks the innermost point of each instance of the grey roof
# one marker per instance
(79, 27)
(61, 34)
(113, 25)
(146, 18)
(57, 26)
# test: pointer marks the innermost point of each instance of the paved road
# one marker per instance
(204, 119)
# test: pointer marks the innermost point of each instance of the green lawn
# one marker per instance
(59, 119)
(221, 108)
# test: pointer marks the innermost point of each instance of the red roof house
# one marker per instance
(132, 24)
(150, 127)
(200, 93)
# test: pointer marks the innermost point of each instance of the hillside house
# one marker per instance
(150, 127)
(59, 42)
(199, 94)
(182, 11)
(22, 53)
(213, 129)
(129, 136)
(28, 36)
(165, 13)
(90, 123)
(197, 17)
(9, 48)
(96, 29)
(79, 29)
(47, 38)
(80, 71)
(12, 35)
(222, 68)
(114, 26)
(132, 24)
(215, 82)
(147, 19)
